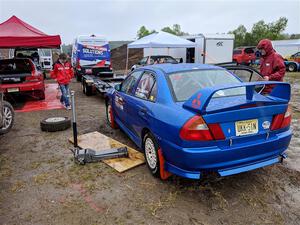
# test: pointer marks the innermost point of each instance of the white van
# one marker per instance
(91, 55)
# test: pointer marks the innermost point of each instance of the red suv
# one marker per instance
(20, 76)
(244, 55)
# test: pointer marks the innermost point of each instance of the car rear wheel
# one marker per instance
(292, 67)
(110, 116)
(150, 148)
(8, 117)
(87, 90)
(40, 95)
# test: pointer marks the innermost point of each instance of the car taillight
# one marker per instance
(35, 77)
(216, 131)
(195, 129)
(282, 120)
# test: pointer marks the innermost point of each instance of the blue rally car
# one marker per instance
(191, 119)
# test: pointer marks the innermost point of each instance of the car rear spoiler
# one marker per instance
(199, 101)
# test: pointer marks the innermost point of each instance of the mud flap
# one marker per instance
(163, 173)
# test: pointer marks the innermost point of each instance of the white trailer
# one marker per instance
(287, 47)
(210, 49)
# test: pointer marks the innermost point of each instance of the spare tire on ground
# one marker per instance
(53, 124)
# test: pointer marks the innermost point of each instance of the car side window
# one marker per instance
(145, 86)
(129, 83)
(152, 96)
(143, 61)
(247, 75)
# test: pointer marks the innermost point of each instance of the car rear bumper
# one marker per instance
(24, 87)
(191, 162)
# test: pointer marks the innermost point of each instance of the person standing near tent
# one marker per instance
(271, 64)
(63, 73)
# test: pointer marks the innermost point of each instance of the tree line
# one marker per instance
(243, 37)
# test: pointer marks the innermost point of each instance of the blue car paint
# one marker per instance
(190, 158)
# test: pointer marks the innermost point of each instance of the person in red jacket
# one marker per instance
(271, 64)
(63, 73)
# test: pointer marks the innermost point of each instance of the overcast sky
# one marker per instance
(120, 20)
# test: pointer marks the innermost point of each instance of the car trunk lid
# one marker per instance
(241, 116)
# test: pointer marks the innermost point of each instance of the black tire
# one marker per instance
(291, 67)
(87, 90)
(153, 167)
(40, 95)
(8, 117)
(53, 124)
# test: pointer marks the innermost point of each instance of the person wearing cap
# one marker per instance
(271, 64)
(63, 73)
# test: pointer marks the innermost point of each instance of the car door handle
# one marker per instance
(143, 111)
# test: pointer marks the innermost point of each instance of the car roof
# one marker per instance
(181, 67)
(157, 56)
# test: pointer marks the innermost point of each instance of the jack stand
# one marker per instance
(83, 156)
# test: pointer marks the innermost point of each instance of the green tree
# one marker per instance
(143, 31)
(260, 30)
(175, 29)
(239, 34)
(295, 36)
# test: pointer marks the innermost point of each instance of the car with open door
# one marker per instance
(20, 76)
(192, 119)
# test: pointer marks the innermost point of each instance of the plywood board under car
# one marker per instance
(98, 142)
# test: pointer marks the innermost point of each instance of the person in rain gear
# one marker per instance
(271, 64)
(63, 73)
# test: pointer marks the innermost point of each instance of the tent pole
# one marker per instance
(127, 53)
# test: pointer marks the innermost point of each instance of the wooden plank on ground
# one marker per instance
(98, 141)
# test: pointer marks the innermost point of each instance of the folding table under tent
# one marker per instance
(16, 33)
(160, 40)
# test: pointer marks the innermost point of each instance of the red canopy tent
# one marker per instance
(16, 33)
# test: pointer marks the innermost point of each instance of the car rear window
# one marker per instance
(15, 66)
(185, 84)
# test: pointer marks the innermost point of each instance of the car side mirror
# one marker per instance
(139, 63)
(118, 87)
(39, 67)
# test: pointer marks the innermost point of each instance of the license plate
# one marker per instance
(12, 90)
(246, 127)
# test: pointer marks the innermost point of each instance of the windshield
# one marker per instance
(185, 84)
(15, 66)
(237, 52)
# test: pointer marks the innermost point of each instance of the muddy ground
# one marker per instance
(40, 184)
